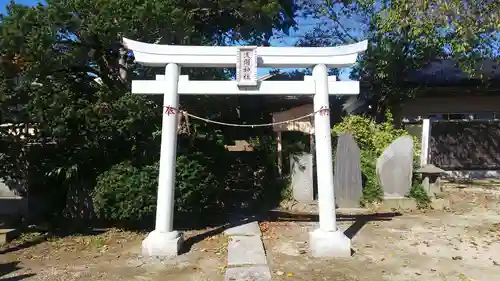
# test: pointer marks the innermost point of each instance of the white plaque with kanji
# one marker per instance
(246, 66)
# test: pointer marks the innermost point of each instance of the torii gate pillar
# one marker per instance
(327, 240)
(164, 240)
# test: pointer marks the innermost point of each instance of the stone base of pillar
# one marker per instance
(162, 244)
(329, 244)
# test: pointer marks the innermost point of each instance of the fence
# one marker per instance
(465, 144)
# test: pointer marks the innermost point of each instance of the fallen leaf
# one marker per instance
(289, 275)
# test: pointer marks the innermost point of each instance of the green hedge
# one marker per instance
(128, 193)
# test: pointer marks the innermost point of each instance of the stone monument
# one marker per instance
(347, 176)
(395, 167)
(301, 167)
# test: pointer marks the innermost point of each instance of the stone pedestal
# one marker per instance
(398, 204)
(329, 244)
(162, 244)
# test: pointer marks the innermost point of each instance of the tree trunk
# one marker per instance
(122, 64)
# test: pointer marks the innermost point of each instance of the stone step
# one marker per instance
(255, 273)
(7, 234)
(313, 208)
(246, 250)
(251, 228)
(246, 258)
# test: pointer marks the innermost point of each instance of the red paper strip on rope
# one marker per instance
(169, 110)
(323, 111)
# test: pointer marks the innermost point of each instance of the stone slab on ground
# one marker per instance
(312, 208)
(353, 211)
(409, 204)
(255, 273)
(397, 204)
(251, 228)
(246, 257)
(440, 204)
(245, 250)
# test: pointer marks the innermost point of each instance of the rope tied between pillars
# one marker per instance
(172, 111)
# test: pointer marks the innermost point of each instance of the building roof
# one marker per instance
(447, 73)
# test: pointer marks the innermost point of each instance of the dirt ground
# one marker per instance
(110, 256)
(460, 244)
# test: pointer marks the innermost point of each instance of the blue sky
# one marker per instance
(4, 3)
(290, 40)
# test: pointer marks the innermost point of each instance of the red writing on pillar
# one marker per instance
(324, 111)
(169, 110)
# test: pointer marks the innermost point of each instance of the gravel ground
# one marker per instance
(459, 244)
(110, 256)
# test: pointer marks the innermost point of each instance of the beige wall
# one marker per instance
(474, 104)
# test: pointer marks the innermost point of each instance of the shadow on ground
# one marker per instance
(359, 221)
(43, 236)
(7, 268)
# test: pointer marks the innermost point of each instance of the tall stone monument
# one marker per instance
(347, 177)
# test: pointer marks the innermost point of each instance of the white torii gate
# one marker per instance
(327, 240)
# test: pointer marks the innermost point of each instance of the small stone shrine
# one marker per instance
(431, 179)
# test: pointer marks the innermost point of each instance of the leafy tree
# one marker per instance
(406, 35)
(65, 73)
